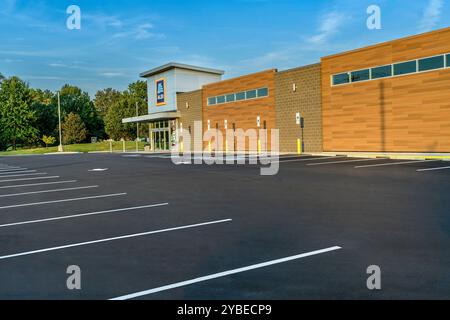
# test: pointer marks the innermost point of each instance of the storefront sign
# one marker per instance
(160, 92)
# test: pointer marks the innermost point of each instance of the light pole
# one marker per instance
(137, 128)
(60, 147)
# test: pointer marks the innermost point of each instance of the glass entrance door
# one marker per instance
(160, 132)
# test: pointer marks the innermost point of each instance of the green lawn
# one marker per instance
(86, 147)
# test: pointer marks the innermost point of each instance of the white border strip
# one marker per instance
(224, 274)
(111, 239)
(82, 215)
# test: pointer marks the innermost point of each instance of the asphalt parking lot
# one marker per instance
(140, 227)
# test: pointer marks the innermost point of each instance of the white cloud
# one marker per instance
(431, 15)
(103, 21)
(57, 65)
(31, 77)
(140, 32)
(112, 74)
(329, 25)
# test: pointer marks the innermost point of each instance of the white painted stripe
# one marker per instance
(112, 239)
(25, 175)
(27, 179)
(338, 162)
(63, 200)
(433, 169)
(37, 184)
(309, 159)
(159, 157)
(6, 170)
(46, 191)
(394, 163)
(224, 274)
(16, 172)
(83, 215)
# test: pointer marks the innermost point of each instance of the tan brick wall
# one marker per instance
(306, 100)
(191, 114)
(409, 113)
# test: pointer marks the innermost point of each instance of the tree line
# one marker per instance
(29, 117)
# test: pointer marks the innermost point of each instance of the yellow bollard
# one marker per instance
(259, 146)
(181, 147)
(226, 146)
(299, 146)
(209, 147)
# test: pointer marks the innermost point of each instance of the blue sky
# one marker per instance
(120, 39)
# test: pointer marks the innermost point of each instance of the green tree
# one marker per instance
(16, 116)
(45, 111)
(124, 108)
(104, 99)
(74, 130)
(73, 100)
(138, 93)
(48, 140)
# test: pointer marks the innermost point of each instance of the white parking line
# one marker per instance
(27, 179)
(25, 175)
(14, 172)
(63, 200)
(394, 163)
(433, 169)
(112, 239)
(46, 191)
(309, 159)
(6, 170)
(37, 184)
(338, 162)
(224, 274)
(83, 215)
(159, 157)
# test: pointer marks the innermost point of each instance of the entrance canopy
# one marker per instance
(153, 117)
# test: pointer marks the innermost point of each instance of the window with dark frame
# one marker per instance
(405, 68)
(382, 72)
(360, 75)
(341, 78)
(431, 63)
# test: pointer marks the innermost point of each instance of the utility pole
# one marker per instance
(60, 147)
(137, 128)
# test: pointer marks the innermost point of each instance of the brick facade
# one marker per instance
(190, 107)
(306, 99)
(243, 114)
(408, 113)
